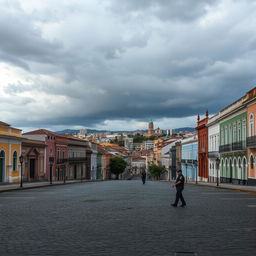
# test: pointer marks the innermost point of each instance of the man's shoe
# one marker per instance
(183, 205)
(174, 205)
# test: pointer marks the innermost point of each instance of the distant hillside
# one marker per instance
(184, 129)
(74, 132)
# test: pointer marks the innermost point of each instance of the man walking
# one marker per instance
(179, 184)
(143, 176)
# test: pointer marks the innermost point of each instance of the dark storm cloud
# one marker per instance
(21, 41)
(83, 62)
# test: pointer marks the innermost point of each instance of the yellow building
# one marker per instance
(10, 150)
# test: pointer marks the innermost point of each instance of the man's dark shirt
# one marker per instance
(181, 184)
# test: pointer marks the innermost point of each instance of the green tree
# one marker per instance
(138, 138)
(117, 166)
(156, 170)
(152, 137)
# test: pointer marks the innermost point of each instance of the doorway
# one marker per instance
(75, 173)
(230, 171)
(2, 164)
(32, 168)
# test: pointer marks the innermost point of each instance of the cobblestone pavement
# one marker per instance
(126, 218)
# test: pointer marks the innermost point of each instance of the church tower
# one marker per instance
(151, 129)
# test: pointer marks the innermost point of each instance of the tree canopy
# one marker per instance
(117, 166)
(156, 170)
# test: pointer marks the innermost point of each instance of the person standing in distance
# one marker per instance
(143, 176)
(179, 184)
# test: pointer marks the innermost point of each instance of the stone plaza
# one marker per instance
(126, 218)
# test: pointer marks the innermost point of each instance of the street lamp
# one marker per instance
(21, 174)
(51, 160)
(217, 166)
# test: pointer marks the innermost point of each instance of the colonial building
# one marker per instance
(233, 151)
(33, 152)
(138, 164)
(202, 131)
(93, 147)
(61, 144)
(50, 140)
(77, 158)
(251, 135)
(213, 148)
(10, 150)
(189, 149)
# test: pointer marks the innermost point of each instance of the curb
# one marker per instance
(45, 186)
(215, 187)
(224, 188)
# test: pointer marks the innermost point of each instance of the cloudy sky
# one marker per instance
(117, 64)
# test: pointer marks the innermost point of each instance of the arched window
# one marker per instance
(251, 126)
(14, 161)
(251, 162)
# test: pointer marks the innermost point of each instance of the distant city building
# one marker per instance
(169, 132)
(148, 144)
(158, 131)
(128, 143)
(82, 134)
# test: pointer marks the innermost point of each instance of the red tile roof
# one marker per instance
(4, 124)
(40, 131)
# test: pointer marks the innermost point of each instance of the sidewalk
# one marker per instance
(240, 188)
(40, 184)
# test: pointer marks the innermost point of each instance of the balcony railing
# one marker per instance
(213, 154)
(189, 161)
(76, 159)
(61, 161)
(237, 146)
(226, 148)
(251, 141)
(240, 145)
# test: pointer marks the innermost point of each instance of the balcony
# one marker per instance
(238, 145)
(251, 141)
(61, 161)
(76, 159)
(225, 148)
(213, 154)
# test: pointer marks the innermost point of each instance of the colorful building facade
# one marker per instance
(10, 151)
(213, 148)
(33, 152)
(251, 136)
(202, 132)
(189, 149)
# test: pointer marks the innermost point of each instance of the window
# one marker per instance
(226, 135)
(244, 130)
(251, 126)
(234, 133)
(14, 161)
(230, 134)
